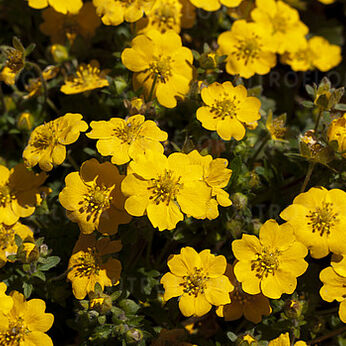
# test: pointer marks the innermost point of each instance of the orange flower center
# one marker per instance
(227, 107)
(164, 188)
(248, 49)
(322, 219)
(265, 263)
(195, 283)
(129, 132)
(88, 264)
(97, 200)
(14, 335)
(161, 69)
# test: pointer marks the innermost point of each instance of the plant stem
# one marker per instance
(152, 89)
(328, 336)
(318, 120)
(308, 176)
(259, 149)
(73, 162)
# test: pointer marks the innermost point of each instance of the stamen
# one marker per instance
(265, 263)
(195, 283)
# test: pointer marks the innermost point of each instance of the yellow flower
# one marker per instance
(15, 62)
(247, 49)
(337, 132)
(35, 84)
(26, 323)
(126, 139)
(162, 66)
(276, 127)
(6, 301)
(283, 24)
(253, 307)
(318, 218)
(88, 77)
(8, 76)
(47, 142)
(93, 198)
(87, 265)
(114, 12)
(216, 175)
(334, 288)
(71, 6)
(19, 193)
(7, 239)
(165, 15)
(325, 56)
(270, 264)
(284, 340)
(198, 279)
(59, 26)
(165, 188)
(227, 108)
(28, 252)
(214, 5)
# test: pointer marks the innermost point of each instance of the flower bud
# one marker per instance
(239, 200)
(28, 252)
(293, 308)
(25, 121)
(59, 53)
(133, 336)
(208, 61)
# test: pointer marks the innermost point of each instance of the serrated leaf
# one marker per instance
(49, 263)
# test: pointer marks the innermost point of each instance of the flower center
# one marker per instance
(15, 60)
(164, 188)
(129, 132)
(248, 49)
(322, 219)
(97, 200)
(166, 15)
(14, 335)
(227, 107)
(161, 68)
(195, 283)
(278, 128)
(280, 24)
(265, 263)
(5, 195)
(88, 263)
(86, 74)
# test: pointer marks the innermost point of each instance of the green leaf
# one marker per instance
(308, 104)
(39, 275)
(49, 263)
(310, 90)
(18, 240)
(129, 306)
(27, 289)
(233, 337)
(340, 107)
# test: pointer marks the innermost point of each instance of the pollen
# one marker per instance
(5, 195)
(96, 200)
(14, 334)
(128, 132)
(88, 264)
(323, 219)
(164, 188)
(226, 107)
(248, 50)
(161, 68)
(195, 283)
(265, 263)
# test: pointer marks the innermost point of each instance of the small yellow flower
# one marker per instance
(47, 143)
(253, 307)
(88, 77)
(114, 12)
(198, 279)
(214, 5)
(334, 288)
(227, 109)
(282, 22)
(276, 127)
(26, 323)
(15, 62)
(216, 175)
(247, 48)
(325, 56)
(284, 340)
(59, 26)
(7, 239)
(270, 264)
(126, 139)
(93, 199)
(6, 301)
(65, 7)
(162, 66)
(88, 267)
(165, 188)
(318, 218)
(8, 76)
(337, 132)
(20, 191)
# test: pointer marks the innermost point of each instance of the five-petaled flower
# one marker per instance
(318, 218)
(270, 264)
(93, 198)
(198, 279)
